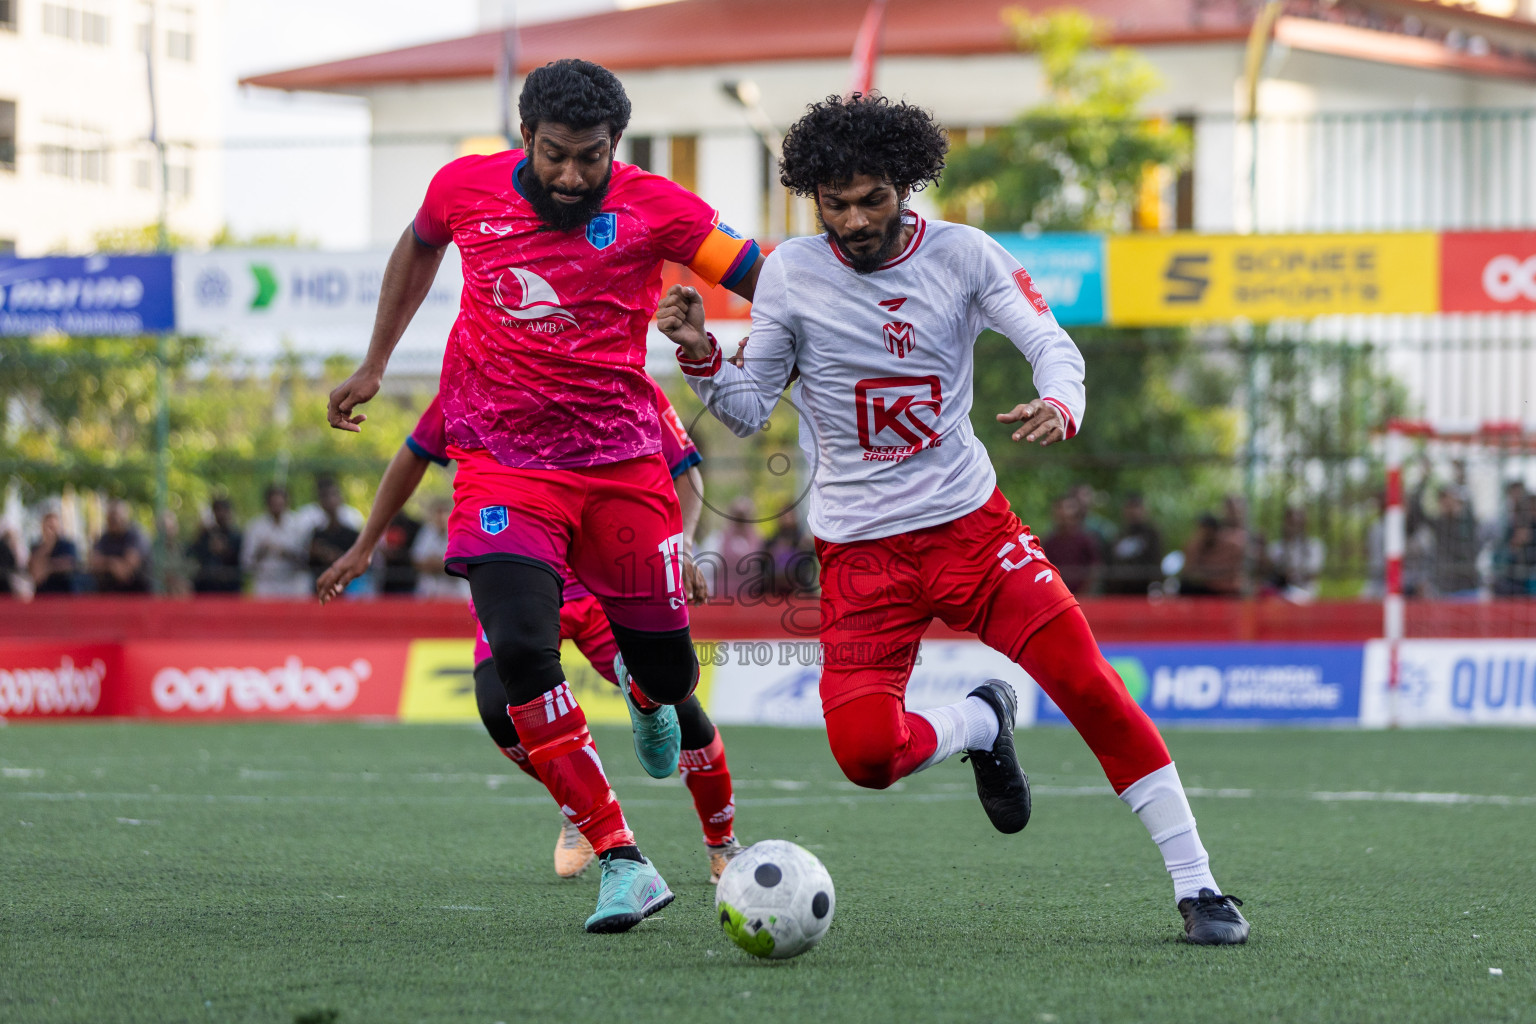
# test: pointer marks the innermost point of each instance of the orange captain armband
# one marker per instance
(724, 257)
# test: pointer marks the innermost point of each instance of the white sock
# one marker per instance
(969, 725)
(1159, 801)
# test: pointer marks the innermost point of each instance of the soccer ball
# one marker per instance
(775, 899)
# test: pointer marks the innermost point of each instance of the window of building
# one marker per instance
(76, 24)
(178, 178)
(640, 152)
(684, 161)
(94, 28)
(142, 175)
(59, 161)
(178, 33)
(93, 165)
(7, 135)
(8, 15)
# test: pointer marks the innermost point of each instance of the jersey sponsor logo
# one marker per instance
(494, 519)
(487, 228)
(536, 307)
(1027, 288)
(897, 409)
(900, 338)
(892, 304)
(602, 230)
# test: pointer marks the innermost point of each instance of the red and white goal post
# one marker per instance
(1491, 457)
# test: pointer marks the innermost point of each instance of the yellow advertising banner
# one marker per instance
(440, 684)
(1177, 279)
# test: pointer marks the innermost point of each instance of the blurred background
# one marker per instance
(1273, 228)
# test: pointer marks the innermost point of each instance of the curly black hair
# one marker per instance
(575, 93)
(841, 137)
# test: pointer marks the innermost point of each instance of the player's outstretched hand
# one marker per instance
(739, 360)
(1039, 421)
(681, 318)
(694, 586)
(348, 395)
(342, 571)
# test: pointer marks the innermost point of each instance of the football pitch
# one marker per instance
(378, 873)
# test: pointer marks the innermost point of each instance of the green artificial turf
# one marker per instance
(377, 873)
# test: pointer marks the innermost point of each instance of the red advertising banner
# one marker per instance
(1487, 271)
(261, 679)
(60, 680)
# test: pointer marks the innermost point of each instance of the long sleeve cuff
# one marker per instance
(706, 367)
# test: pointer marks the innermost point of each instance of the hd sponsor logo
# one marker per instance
(292, 686)
(63, 689)
(1237, 682)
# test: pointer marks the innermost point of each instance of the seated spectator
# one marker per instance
(1516, 561)
(1295, 560)
(788, 554)
(1071, 548)
(328, 492)
(331, 539)
(13, 583)
(216, 552)
(1213, 561)
(54, 560)
(428, 551)
(1136, 556)
(174, 568)
(275, 550)
(399, 574)
(120, 556)
(1454, 538)
(736, 544)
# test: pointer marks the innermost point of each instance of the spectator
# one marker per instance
(788, 554)
(428, 551)
(176, 566)
(120, 555)
(331, 539)
(736, 543)
(1102, 529)
(1516, 561)
(54, 560)
(328, 492)
(1295, 560)
(1454, 539)
(1213, 561)
(13, 582)
(1136, 557)
(398, 574)
(1071, 548)
(216, 552)
(275, 550)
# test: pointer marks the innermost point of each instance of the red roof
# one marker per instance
(693, 33)
(709, 32)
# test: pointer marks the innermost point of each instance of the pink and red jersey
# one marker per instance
(430, 441)
(544, 367)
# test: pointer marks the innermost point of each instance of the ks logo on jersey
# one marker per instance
(898, 416)
(536, 306)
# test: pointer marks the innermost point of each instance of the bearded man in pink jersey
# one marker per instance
(878, 319)
(554, 426)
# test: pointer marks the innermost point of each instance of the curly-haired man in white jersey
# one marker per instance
(879, 316)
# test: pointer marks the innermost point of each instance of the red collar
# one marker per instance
(907, 217)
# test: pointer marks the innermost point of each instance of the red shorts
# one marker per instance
(983, 573)
(581, 620)
(617, 526)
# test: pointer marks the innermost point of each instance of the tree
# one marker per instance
(1075, 162)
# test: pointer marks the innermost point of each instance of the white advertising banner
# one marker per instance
(765, 682)
(1452, 682)
(324, 302)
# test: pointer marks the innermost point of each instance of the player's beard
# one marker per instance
(890, 244)
(564, 216)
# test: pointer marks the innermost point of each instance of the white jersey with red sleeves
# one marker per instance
(886, 364)
(544, 368)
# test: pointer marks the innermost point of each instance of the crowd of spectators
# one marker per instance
(278, 553)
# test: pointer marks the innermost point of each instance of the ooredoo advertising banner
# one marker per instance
(1270, 683)
(258, 679)
(60, 680)
(1487, 271)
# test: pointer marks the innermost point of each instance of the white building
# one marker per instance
(1378, 58)
(75, 156)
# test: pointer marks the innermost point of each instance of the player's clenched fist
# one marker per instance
(1041, 421)
(349, 394)
(681, 318)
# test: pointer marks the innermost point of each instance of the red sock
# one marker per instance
(642, 702)
(709, 780)
(553, 729)
(519, 755)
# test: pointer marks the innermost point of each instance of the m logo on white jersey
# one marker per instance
(532, 301)
(897, 415)
(900, 339)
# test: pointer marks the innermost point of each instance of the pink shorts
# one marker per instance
(617, 527)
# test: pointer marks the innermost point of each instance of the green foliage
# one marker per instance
(146, 238)
(1075, 162)
(1159, 421)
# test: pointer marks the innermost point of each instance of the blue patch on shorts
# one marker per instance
(494, 519)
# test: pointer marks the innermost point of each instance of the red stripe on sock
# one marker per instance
(553, 729)
(708, 779)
